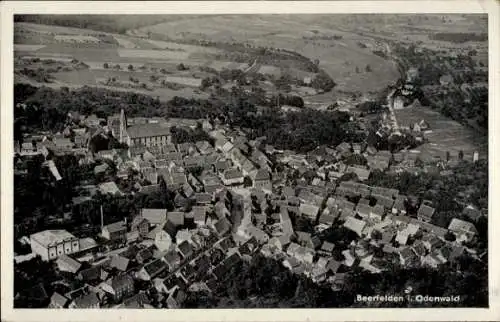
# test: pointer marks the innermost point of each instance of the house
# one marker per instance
(57, 301)
(199, 215)
(115, 232)
(326, 248)
(309, 210)
(363, 210)
(68, 264)
(203, 198)
(87, 301)
(185, 249)
(432, 242)
(162, 240)
(141, 225)
(408, 257)
(176, 298)
(50, 244)
(464, 230)
(304, 239)
(473, 213)
(232, 177)
(262, 180)
(385, 202)
(110, 188)
(91, 274)
(100, 169)
(349, 259)
(154, 216)
(361, 173)
(328, 216)
(222, 226)
(119, 287)
(119, 262)
(355, 225)
(425, 213)
(399, 207)
(144, 255)
(149, 271)
(377, 212)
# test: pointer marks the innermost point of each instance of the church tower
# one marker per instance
(123, 126)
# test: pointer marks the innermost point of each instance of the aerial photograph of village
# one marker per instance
(250, 161)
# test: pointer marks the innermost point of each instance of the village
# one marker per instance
(233, 198)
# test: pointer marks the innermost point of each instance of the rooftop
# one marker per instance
(148, 130)
(51, 237)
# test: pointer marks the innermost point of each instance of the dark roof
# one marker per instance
(144, 255)
(262, 174)
(185, 248)
(121, 281)
(147, 130)
(156, 267)
(222, 226)
(91, 273)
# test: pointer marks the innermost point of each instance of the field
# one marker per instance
(339, 58)
(445, 135)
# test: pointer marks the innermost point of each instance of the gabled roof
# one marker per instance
(176, 217)
(222, 226)
(426, 211)
(121, 281)
(115, 227)
(67, 263)
(354, 224)
(154, 216)
(154, 268)
(147, 130)
(119, 262)
(87, 300)
(185, 248)
(58, 299)
(461, 226)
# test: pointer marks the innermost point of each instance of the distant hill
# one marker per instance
(106, 23)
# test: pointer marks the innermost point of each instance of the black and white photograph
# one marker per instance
(249, 161)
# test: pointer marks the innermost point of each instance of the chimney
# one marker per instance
(102, 219)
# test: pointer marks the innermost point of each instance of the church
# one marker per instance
(146, 134)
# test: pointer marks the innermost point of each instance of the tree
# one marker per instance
(181, 67)
(368, 68)
(153, 78)
(449, 236)
(130, 67)
(105, 65)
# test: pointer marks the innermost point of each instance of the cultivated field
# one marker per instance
(339, 57)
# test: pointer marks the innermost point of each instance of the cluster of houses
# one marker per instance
(231, 202)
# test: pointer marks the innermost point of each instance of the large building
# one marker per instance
(147, 134)
(50, 244)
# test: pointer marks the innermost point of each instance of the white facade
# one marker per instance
(50, 244)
